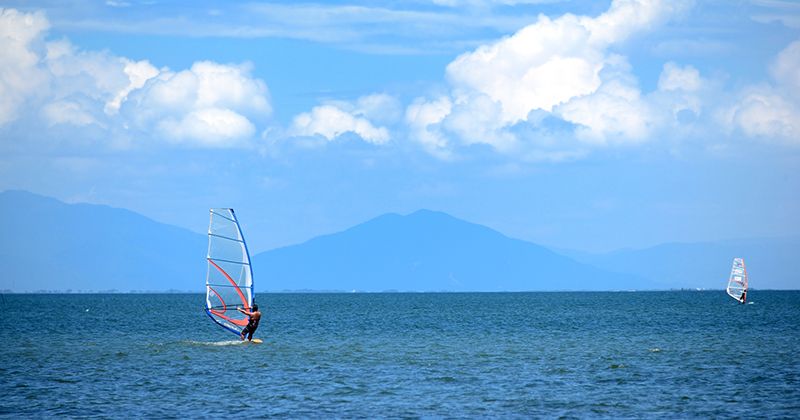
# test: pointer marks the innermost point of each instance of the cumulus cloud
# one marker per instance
(615, 111)
(763, 112)
(138, 72)
(331, 122)
(213, 127)
(208, 105)
(334, 119)
(771, 111)
(423, 118)
(476, 118)
(66, 112)
(539, 67)
(553, 60)
(786, 68)
(380, 108)
(96, 82)
(562, 67)
(679, 100)
(21, 76)
(674, 77)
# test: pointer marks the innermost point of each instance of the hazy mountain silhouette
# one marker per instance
(50, 245)
(769, 262)
(428, 251)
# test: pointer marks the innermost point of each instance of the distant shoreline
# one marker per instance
(278, 292)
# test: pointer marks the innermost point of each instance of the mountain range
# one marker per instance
(48, 245)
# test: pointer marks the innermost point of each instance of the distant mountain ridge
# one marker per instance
(769, 262)
(50, 245)
(429, 251)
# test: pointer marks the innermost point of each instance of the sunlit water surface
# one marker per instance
(643, 354)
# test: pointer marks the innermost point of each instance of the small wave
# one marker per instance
(655, 350)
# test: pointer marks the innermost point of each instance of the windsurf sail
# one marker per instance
(229, 279)
(737, 283)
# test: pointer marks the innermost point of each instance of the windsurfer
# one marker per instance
(252, 324)
(743, 297)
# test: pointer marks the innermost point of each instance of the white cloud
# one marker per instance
(210, 127)
(764, 113)
(66, 112)
(681, 92)
(786, 68)
(139, 72)
(476, 119)
(552, 61)
(331, 121)
(771, 112)
(787, 12)
(424, 118)
(488, 3)
(524, 71)
(206, 84)
(674, 77)
(209, 104)
(380, 108)
(626, 17)
(219, 99)
(615, 111)
(562, 67)
(105, 78)
(113, 3)
(20, 74)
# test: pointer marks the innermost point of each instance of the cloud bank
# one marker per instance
(208, 105)
(554, 90)
(771, 110)
(557, 87)
(334, 119)
(561, 68)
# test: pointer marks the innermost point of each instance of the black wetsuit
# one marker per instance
(251, 328)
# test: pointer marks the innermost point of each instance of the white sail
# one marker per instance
(737, 283)
(229, 279)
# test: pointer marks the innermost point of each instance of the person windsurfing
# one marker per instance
(252, 323)
(743, 297)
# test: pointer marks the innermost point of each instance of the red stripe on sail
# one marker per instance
(239, 322)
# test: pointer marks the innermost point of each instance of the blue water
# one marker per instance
(645, 354)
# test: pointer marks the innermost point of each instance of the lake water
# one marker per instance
(642, 354)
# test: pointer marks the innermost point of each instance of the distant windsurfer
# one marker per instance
(743, 297)
(252, 323)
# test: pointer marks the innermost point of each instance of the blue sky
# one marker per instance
(583, 125)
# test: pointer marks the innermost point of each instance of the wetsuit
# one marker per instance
(251, 328)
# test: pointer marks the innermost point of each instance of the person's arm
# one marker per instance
(244, 312)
